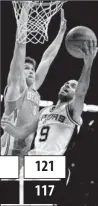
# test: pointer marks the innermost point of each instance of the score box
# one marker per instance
(45, 167)
(9, 167)
(44, 192)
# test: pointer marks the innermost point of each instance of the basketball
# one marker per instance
(75, 39)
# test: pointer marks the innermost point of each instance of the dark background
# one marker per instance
(82, 154)
(9, 192)
(65, 66)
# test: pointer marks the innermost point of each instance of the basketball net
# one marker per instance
(40, 14)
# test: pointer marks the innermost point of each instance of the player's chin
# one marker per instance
(30, 81)
(62, 96)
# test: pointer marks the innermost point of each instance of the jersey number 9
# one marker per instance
(44, 133)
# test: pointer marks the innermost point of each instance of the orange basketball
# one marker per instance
(75, 39)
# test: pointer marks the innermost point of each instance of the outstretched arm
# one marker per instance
(90, 108)
(16, 73)
(18, 132)
(50, 53)
(76, 106)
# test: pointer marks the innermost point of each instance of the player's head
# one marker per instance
(67, 91)
(29, 70)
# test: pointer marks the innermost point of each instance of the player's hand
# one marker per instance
(5, 123)
(89, 52)
(9, 127)
(63, 21)
(27, 5)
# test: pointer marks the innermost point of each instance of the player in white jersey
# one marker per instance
(22, 98)
(55, 129)
(56, 124)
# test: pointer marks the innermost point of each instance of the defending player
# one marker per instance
(56, 124)
(22, 96)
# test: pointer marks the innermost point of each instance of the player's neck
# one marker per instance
(32, 84)
(60, 103)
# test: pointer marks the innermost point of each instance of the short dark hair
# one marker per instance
(31, 61)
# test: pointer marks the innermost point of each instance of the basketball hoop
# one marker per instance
(40, 14)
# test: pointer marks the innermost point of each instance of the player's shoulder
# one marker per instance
(46, 109)
(9, 97)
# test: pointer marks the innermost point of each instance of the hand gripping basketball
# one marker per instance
(89, 51)
(81, 42)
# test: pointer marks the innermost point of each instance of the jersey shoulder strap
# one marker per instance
(46, 108)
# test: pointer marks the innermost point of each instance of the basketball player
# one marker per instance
(23, 82)
(57, 123)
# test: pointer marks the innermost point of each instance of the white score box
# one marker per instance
(9, 167)
(45, 167)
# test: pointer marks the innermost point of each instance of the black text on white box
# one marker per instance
(53, 167)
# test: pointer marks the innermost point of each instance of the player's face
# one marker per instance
(29, 72)
(67, 91)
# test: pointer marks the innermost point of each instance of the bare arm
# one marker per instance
(18, 132)
(16, 73)
(50, 53)
(76, 106)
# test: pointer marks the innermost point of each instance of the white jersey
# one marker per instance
(55, 129)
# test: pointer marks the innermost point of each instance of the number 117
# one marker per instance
(45, 189)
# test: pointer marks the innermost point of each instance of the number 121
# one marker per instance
(44, 168)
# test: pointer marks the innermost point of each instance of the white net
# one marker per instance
(40, 14)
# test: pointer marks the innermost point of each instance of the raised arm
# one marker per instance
(50, 53)
(76, 106)
(16, 73)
